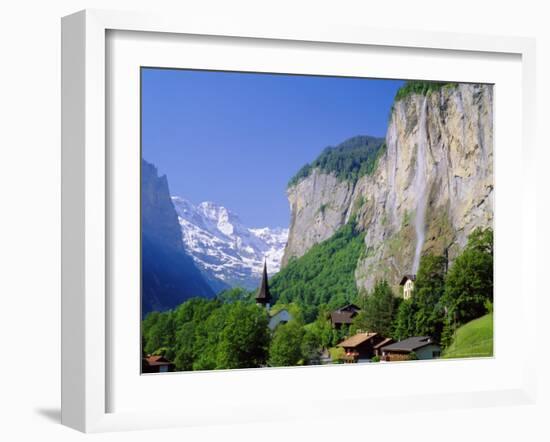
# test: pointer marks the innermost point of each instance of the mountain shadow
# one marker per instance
(168, 274)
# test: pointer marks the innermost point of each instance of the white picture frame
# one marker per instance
(88, 321)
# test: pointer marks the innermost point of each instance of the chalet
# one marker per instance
(407, 282)
(281, 317)
(360, 347)
(423, 347)
(378, 347)
(263, 297)
(156, 364)
(344, 315)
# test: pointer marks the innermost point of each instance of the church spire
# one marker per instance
(263, 296)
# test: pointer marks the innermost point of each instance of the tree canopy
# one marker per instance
(420, 87)
(324, 275)
(231, 331)
(349, 160)
(442, 301)
(428, 291)
(205, 334)
(469, 283)
(380, 309)
(286, 346)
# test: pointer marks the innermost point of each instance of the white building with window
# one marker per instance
(407, 282)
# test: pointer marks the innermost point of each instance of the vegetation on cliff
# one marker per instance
(324, 275)
(421, 88)
(350, 160)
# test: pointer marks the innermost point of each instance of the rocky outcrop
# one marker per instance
(169, 275)
(447, 136)
(319, 205)
(159, 220)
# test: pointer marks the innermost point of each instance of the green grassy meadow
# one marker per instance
(474, 339)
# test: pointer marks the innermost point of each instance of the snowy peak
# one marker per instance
(226, 222)
(224, 248)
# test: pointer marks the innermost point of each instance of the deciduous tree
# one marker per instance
(286, 345)
(469, 283)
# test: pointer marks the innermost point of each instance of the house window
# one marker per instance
(163, 369)
(436, 354)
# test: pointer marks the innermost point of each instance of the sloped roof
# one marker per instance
(407, 277)
(338, 317)
(357, 339)
(386, 341)
(157, 360)
(410, 344)
(345, 314)
(348, 307)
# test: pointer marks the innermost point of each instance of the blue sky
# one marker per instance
(237, 138)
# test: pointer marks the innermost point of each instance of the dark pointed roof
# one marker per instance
(263, 296)
(406, 278)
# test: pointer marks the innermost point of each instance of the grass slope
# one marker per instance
(474, 339)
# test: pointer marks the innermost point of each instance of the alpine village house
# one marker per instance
(407, 282)
(362, 346)
(344, 315)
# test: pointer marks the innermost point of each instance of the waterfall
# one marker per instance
(392, 152)
(419, 186)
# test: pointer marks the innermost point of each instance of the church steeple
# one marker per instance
(263, 296)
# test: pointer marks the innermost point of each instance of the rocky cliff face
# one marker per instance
(169, 275)
(431, 188)
(319, 205)
(159, 220)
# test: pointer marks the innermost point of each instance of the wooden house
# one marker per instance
(360, 347)
(423, 347)
(156, 364)
(344, 315)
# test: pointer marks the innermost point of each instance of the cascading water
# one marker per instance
(392, 151)
(419, 186)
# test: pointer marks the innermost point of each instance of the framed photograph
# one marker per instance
(252, 215)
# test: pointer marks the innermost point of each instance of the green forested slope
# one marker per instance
(349, 160)
(420, 88)
(324, 275)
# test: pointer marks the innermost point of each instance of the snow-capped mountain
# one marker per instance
(228, 252)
